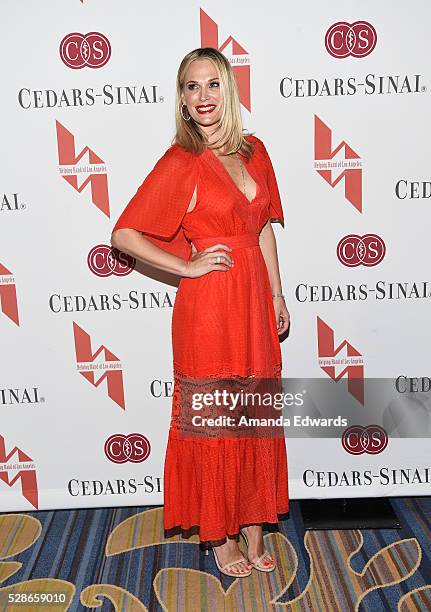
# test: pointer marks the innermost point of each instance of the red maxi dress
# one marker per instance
(223, 324)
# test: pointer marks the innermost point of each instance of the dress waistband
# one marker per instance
(234, 242)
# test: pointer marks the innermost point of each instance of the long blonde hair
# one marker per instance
(231, 133)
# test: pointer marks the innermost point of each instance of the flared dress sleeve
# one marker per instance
(275, 205)
(159, 205)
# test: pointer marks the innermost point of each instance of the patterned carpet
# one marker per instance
(117, 559)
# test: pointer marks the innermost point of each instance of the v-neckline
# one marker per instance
(227, 175)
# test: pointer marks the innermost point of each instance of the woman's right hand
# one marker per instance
(203, 261)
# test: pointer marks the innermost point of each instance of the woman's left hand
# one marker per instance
(282, 315)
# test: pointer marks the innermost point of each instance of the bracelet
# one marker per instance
(274, 295)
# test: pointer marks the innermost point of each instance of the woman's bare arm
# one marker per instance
(132, 242)
(268, 246)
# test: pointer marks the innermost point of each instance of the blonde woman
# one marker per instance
(203, 213)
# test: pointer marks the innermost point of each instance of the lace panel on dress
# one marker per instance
(228, 405)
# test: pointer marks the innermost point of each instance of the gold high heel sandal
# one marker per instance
(225, 569)
(256, 564)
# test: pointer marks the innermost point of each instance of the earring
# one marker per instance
(181, 112)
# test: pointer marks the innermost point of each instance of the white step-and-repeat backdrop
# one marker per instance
(340, 94)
